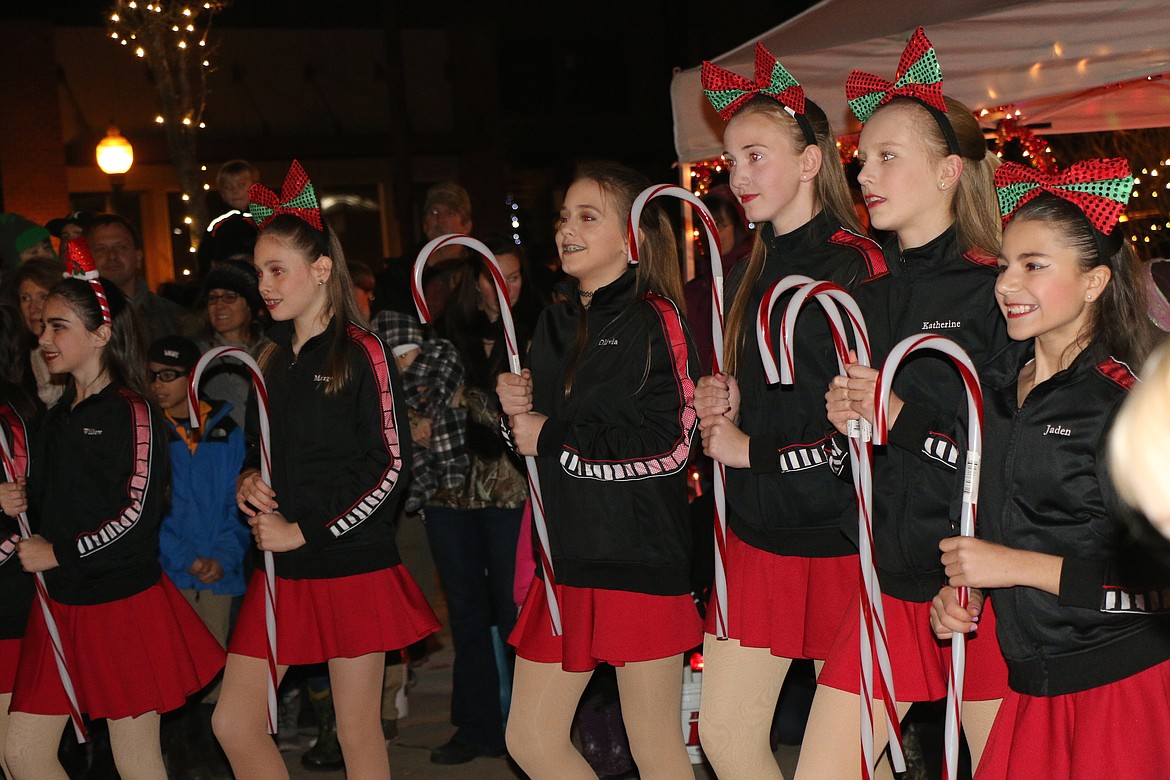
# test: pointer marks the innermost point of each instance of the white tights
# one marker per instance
(544, 701)
(31, 747)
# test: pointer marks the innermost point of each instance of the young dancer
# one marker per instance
(19, 413)
(926, 177)
(339, 444)
(607, 409)
(791, 570)
(133, 646)
(1074, 590)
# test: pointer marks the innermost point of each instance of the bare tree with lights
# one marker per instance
(173, 39)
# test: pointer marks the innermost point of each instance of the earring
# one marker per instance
(942, 185)
(1088, 297)
(320, 282)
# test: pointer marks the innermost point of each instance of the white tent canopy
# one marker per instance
(1066, 65)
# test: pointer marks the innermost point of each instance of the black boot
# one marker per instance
(325, 755)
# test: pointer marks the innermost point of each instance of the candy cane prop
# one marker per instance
(424, 313)
(970, 499)
(873, 637)
(708, 221)
(265, 474)
(11, 472)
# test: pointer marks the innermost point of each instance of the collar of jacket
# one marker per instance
(282, 334)
(1002, 372)
(800, 242)
(933, 256)
(612, 297)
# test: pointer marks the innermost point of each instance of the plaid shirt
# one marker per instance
(429, 384)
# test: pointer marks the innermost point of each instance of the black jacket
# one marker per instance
(1045, 487)
(789, 502)
(336, 459)
(935, 288)
(98, 485)
(612, 454)
(16, 585)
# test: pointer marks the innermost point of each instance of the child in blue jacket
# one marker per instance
(202, 540)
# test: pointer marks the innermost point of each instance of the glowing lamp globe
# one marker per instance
(115, 155)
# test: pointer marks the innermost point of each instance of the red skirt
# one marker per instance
(604, 626)
(339, 617)
(144, 653)
(9, 655)
(921, 662)
(986, 676)
(793, 606)
(1117, 730)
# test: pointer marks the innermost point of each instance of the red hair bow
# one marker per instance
(1099, 188)
(728, 92)
(297, 197)
(79, 264)
(918, 77)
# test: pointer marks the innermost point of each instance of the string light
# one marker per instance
(169, 30)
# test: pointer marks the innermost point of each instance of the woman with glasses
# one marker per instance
(234, 318)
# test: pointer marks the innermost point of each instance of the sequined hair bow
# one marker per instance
(1099, 188)
(918, 77)
(729, 92)
(297, 197)
(79, 265)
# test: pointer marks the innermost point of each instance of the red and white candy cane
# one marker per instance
(424, 313)
(930, 341)
(11, 472)
(873, 637)
(265, 474)
(716, 256)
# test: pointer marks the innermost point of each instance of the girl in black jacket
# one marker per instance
(926, 177)
(791, 569)
(95, 492)
(1074, 590)
(340, 442)
(607, 409)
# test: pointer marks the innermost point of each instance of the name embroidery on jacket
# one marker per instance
(322, 378)
(607, 342)
(1058, 430)
(92, 431)
(941, 324)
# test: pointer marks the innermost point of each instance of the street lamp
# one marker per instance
(115, 155)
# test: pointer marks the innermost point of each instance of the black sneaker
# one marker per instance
(456, 752)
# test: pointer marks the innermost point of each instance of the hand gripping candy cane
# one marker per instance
(11, 472)
(266, 475)
(420, 302)
(873, 639)
(970, 499)
(720, 600)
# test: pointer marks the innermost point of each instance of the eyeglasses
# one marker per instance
(226, 296)
(166, 375)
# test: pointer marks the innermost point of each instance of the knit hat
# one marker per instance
(79, 218)
(397, 329)
(451, 195)
(17, 234)
(174, 351)
(237, 276)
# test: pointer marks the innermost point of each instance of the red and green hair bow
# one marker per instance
(918, 77)
(729, 92)
(297, 197)
(1099, 188)
(79, 264)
